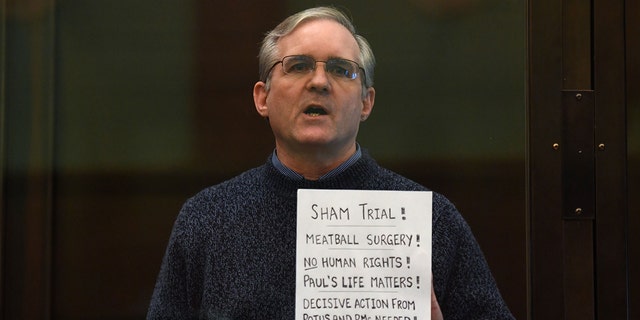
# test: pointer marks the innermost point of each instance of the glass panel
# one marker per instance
(450, 113)
(26, 154)
(154, 103)
(124, 130)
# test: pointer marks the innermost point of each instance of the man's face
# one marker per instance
(315, 110)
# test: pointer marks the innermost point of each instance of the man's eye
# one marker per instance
(298, 67)
(341, 70)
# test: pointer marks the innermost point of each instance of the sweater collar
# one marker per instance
(352, 177)
(335, 172)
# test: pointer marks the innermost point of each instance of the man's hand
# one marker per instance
(436, 313)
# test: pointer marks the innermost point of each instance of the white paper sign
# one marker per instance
(363, 255)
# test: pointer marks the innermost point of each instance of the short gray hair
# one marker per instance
(269, 50)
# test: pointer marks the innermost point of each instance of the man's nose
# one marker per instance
(319, 78)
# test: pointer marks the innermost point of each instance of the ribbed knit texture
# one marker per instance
(232, 251)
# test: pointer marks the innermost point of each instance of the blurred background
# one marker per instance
(138, 104)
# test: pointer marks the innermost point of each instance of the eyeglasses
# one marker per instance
(337, 67)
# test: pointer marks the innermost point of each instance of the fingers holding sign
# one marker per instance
(436, 313)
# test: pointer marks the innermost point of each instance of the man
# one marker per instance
(232, 251)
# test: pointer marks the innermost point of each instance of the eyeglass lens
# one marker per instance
(339, 68)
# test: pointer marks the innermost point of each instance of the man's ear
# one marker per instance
(367, 103)
(260, 94)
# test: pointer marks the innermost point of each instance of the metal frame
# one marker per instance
(577, 160)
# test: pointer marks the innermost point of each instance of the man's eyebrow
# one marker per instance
(342, 58)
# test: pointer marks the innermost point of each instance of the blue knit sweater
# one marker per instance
(231, 254)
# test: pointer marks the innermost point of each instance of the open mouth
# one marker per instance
(315, 111)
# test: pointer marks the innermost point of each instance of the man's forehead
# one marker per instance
(324, 37)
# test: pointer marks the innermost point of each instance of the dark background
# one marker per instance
(117, 111)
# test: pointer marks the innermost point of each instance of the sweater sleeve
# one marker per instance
(174, 296)
(463, 283)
